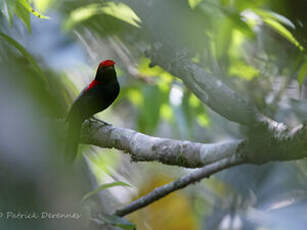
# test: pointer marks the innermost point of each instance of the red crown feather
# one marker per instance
(107, 63)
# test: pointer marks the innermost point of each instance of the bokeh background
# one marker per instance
(49, 51)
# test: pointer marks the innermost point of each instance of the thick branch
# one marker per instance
(277, 144)
(143, 147)
(182, 182)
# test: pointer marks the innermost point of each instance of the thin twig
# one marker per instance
(182, 182)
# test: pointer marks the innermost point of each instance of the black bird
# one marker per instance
(96, 97)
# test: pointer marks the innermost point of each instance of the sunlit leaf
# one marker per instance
(81, 14)
(223, 38)
(203, 120)
(302, 73)
(122, 12)
(29, 8)
(23, 14)
(135, 96)
(235, 49)
(240, 69)
(283, 31)
(42, 5)
(194, 101)
(103, 187)
(269, 14)
(144, 68)
(166, 112)
(275, 23)
(149, 113)
(119, 11)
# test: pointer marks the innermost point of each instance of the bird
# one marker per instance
(94, 98)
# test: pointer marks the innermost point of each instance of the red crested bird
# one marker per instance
(96, 97)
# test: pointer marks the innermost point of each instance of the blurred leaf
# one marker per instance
(42, 5)
(235, 17)
(103, 187)
(302, 73)
(166, 112)
(29, 8)
(119, 11)
(275, 16)
(197, 110)
(194, 101)
(23, 14)
(146, 70)
(118, 221)
(135, 96)
(240, 69)
(274, 22)
(7, 8)
(122, 12)
(223, 38)
(21, 8)
(203, 120)
(165, 81)
(81, 14)
(235, 50)
(150, 110)
(25, 53)
(283, 31)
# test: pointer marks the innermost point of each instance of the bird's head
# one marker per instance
(106, 71)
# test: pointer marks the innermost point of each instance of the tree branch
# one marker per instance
(277, 144)
(180, 183)
(143, 147)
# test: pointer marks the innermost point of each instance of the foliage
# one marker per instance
(257, 47)
(22, 9)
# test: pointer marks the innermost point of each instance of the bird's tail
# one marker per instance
(72, 142)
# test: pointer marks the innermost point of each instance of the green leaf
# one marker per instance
(122, 12)
(302, 73)
(29, 8)
(81, 14)
(243, 70)
(149, 112)
(119, 11)
(135, 96)
(203, 120)
(103, 187)
(23, 14)
(118, 222)
(275, 21)
(275, 16)
(25, 53)
(283, 32)
(223, 38)
(42, 5)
